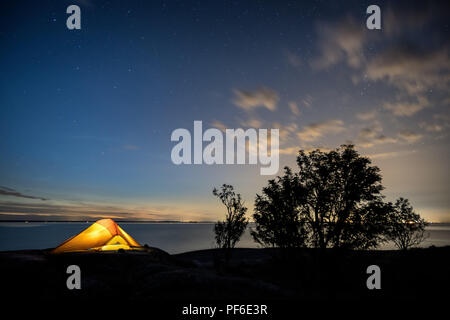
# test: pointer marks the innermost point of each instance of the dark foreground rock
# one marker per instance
(252, 274)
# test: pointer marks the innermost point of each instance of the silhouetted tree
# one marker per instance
(343, 204)
(333, 201)
(366, 226)
(228, 232)
(277, 219)
(406, 228)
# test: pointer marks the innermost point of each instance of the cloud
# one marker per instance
(383, 139)
(252, 123)
(431, 127)
(286, 131)
(262, 97)
(346, 40)
(392, 154)
(219, 125)
(384, 155)
(372, 131)
(410, 136)
(307, 101)
(367, 115)
(405, 108)
(371, 136)
(415, 70)
(341, 41)
(411, 68)
(307, 149)
(294, 108)
(315, 131)
(439, 123)
(5, 191)
(388, 155)
(90, 211)
(289, 150)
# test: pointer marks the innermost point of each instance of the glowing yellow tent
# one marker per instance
(103, 235)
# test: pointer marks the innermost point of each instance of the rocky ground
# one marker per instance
(251, 275)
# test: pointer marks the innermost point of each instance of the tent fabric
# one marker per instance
(103, 235)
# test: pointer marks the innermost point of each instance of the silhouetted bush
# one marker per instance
(228, 232)
(406, 228)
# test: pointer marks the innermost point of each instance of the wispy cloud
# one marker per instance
(262, 97)
(251, 123)
(5, 191)
(374, 139)
(289, 150)
(340, 41)
(369, 115)
(94, 211)
(371, 136)
(406, 109)
(389, 155)
(431, 127)
(384, 155)
(411, 68)
(287, 131)
(294, 108)
(308, 101)
(410, 136)
(219, 125)
(315, 131)
(439, 123)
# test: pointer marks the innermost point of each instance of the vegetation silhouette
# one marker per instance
(406, 228)
(334, 200)
(228, 232)
(277, 214)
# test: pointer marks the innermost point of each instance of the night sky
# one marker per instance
(86, 115)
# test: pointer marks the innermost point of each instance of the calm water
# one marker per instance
(173, 238)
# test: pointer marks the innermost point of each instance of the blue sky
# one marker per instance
(86, 115)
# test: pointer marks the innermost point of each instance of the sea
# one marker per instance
(171, 237)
